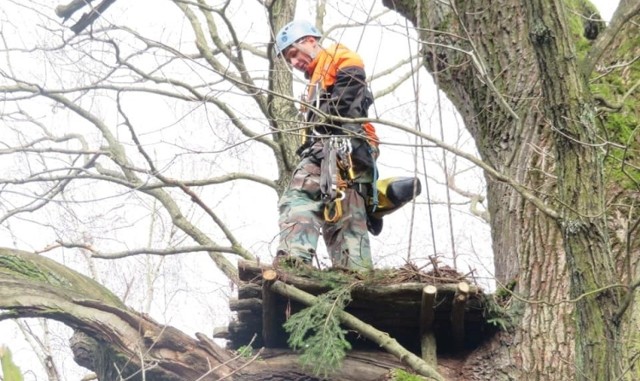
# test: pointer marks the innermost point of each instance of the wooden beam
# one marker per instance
(221, 332)
(457, 314)
(427, 316)
(249, 271)
(249, 290)
(269, 323)
(250, 304)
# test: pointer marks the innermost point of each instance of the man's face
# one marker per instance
(297, 55)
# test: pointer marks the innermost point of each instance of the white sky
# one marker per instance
(606, 7)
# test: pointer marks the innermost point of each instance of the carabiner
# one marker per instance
(337, 211)
(337, 208)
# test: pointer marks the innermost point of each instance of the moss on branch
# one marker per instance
(44, 271)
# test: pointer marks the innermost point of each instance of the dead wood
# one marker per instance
(114, 341)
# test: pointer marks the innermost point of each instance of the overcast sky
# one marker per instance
(606, 7)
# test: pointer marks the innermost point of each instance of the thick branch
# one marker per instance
(112, 335)
(35, 286)
(66, 11)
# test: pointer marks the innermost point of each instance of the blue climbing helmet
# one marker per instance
(292, 32)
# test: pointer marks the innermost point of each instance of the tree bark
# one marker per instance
(513, 72)
(515, 140)
(570, 109)
(282, 112)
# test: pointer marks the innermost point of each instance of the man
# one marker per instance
(331, 189)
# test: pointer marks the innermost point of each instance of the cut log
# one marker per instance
(246, 327)
(251, 304)
(249, 315)
(390, 344)
(269, 275)
(270, 325)
(249, 290)
(427, 316)
(221, 332)
(457, 314)
(250, 271)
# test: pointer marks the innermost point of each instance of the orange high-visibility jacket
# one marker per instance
(337, 86)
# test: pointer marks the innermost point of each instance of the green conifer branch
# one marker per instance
(317, 332)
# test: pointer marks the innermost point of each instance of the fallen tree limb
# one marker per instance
(115, 341)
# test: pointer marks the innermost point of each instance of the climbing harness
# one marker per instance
(337, 172)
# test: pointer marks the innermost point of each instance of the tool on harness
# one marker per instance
(337, 170)
(337, 161)
(394, 192)
(343, 152)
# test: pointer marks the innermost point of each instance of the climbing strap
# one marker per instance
(337, 160)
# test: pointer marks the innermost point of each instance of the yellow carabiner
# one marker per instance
(350, 171)
(337, 209)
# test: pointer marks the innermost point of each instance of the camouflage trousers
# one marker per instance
(302, 220)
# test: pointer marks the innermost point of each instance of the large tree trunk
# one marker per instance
(524, 97)
(579, 170)
(282, 112)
